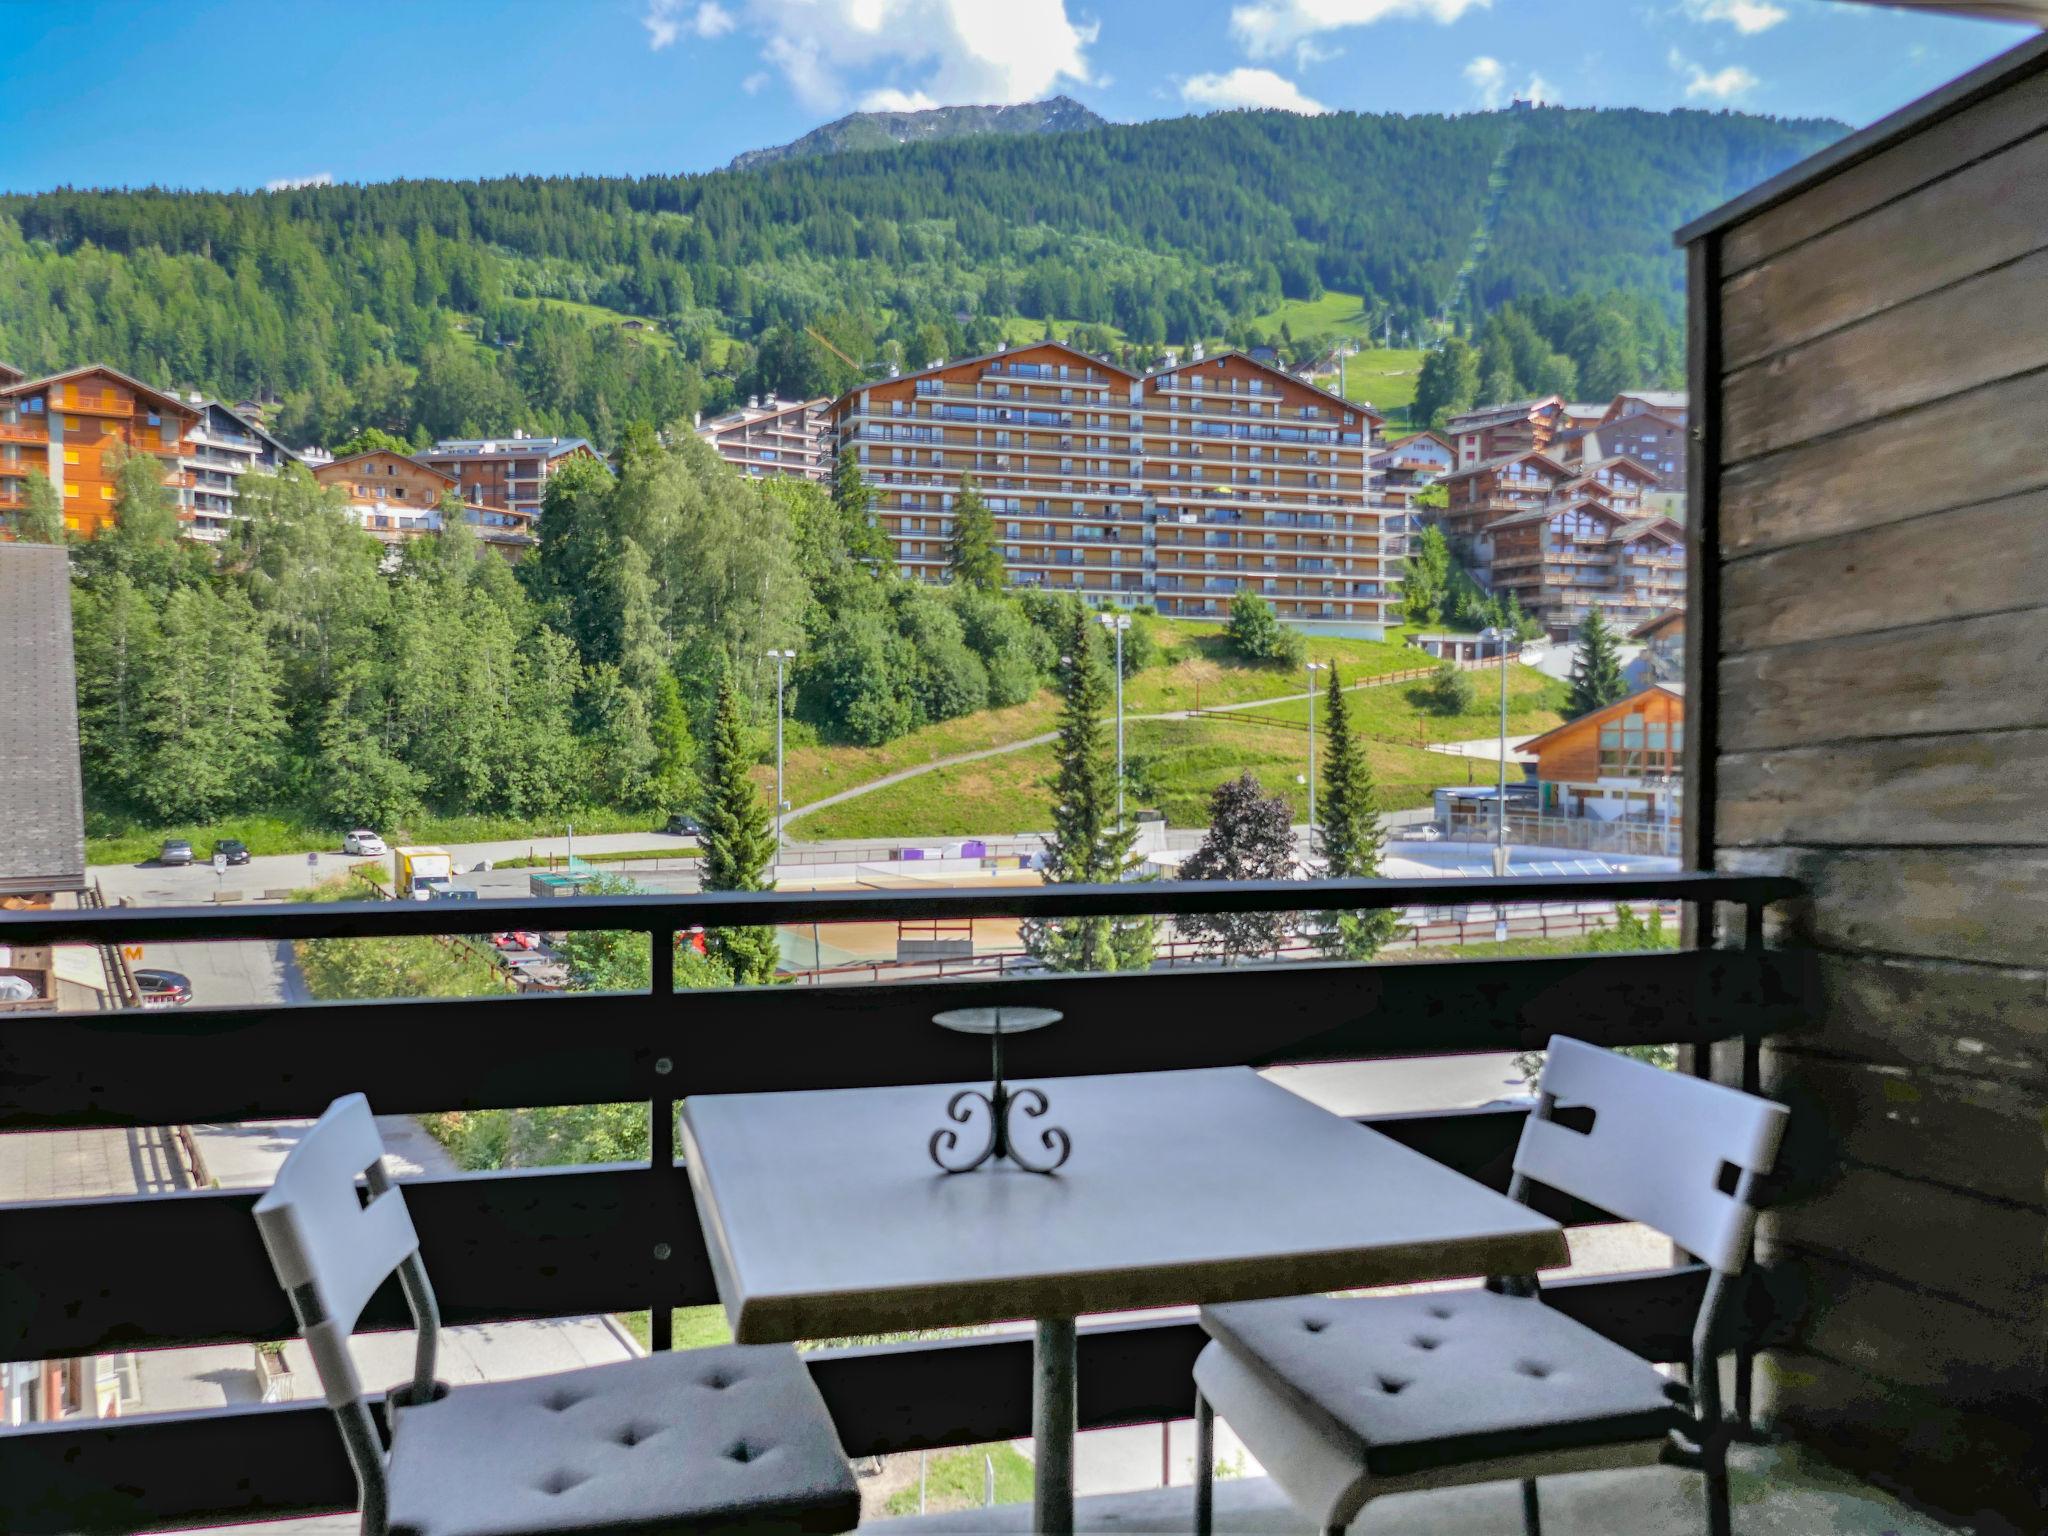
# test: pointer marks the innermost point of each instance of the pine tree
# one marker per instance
(1087, 847)
(1596, 671)
(1250, 837)
(738, 840)
(854, 499)
(1351, 838)
(973, 556)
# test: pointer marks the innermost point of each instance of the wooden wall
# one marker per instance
(1871, 352)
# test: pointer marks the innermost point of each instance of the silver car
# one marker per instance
(364, 841)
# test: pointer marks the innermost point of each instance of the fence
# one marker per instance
(96, 1276)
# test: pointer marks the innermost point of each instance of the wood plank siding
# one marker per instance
(1870, 376)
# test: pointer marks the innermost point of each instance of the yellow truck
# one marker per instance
(421, 874)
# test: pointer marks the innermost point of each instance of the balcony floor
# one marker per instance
(1779, 1490)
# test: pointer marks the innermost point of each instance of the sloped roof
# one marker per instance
(1483, 415)
(1564, 470)
(1619, 706)
(42, 807)
(381, 453)
(161, 396)
(1650, 628)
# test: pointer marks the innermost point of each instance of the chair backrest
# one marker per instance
(324, 1240)
(1658, 1150)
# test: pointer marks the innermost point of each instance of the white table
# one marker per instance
(825, 1217)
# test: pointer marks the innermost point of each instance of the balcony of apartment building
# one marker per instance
(1858, 941)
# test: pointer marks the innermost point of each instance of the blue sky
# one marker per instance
(244, 93)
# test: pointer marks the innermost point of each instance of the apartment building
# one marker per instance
(774, 437)
(398, 499)
(1496, 431)
(1403, 470)
(1179, 488)
(508, 472)
(1650, 438)
(220, 447)
(1566, 538)
(71, 427)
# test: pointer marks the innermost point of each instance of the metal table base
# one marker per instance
(1052, 1427)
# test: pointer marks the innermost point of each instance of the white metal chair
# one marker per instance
(1349, 1399)
(692, 1441)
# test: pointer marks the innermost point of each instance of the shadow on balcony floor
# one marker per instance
(1779, 1491)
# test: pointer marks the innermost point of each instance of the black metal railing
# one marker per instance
(80, 1277)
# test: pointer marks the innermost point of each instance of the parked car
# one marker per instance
(364, 841)
(163, 989)
(176, 850)
(518, 938)
(233, 849)
(680, 825)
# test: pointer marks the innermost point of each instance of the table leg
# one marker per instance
(1052, 1427)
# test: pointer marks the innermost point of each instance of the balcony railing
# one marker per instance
(83, 1277)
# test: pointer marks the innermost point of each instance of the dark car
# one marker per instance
(163, 989)
(680, 825)
(233, 849)
(176, 850)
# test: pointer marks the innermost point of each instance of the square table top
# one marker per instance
(825, 1216)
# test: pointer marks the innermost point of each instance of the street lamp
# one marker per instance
(1312, 668)
(1116, 624)
(781, 659)
(1500, 804)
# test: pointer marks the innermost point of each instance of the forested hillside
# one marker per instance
(456, 307)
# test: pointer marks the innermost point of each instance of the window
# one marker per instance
(70, 490)
(70, 455)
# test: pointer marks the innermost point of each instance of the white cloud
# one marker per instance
(833, 53)
(293, 183)
(1268, 28)
(665, 20)
(1249, 88)
(1721, 85)
(1488, 78)
(712, 20)
(753, 83)
(1538, 90)
(1745, 16)
(889, 99)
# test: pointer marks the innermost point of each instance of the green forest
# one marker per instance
(587, 304)
(301, 672)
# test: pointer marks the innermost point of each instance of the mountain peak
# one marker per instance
(881, 130)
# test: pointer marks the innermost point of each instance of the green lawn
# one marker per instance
(1179, 761)
(1396, 712)
(959, 1480)
(1343, 313)
(695, 1327)
(1198, 658)
(812, 772)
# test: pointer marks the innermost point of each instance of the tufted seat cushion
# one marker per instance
(1447, 1378)
(693, 1440)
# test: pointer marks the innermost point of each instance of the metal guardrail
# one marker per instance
(76, 1276)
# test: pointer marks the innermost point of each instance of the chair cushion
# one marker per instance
(1448, 1378)
(685, 1441)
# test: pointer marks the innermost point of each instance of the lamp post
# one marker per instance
(1500, 804)
(1116, 624)
(781, 660)
(1312, 668)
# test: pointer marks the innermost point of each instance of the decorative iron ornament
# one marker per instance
(1001, 1102)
